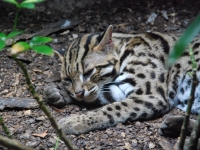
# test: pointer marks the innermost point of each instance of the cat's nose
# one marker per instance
(80, 94)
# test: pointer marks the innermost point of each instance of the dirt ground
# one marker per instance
(173, 16)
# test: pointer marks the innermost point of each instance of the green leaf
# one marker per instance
(27, 5)
(183, 41)
(32, 1)
(43, 49)
(2, 36)
(13, 34)
(19, 47)
(39, 40)
(12, 2)
(2, 44)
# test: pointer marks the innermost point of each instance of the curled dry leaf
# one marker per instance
(41, 134)
(58, 110)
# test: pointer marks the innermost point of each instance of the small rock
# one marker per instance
(164, 14)
(74, 36)
(32, 144)
(52, 140)
(151, 145)
(27, 113)
(41, 118)
(146, 139)
(151, 18)
(123, 134)
(81, 29)
(109, 131)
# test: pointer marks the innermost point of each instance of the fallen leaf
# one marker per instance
(41, 134)
(58, 110)
(27, 113)
(10, 94)
(37, 70)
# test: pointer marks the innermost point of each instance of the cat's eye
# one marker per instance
(67, 81)
(88, 73)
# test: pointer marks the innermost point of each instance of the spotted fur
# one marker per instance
(126, 73)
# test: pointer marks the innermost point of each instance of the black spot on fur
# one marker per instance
(141, 54)
(139, 63)
(153, 65)
(143, 115)
(124, 104)
(136, 109)
(162, 78)
(171, 95)
(197, 52)
(139, 92)
(118, 114)
(189, 82)
(104, 113)
(182, 91)
(108, 96)
(153, 75)
(118, 107)
(198, 67)
(196, 45)
(189, 62)
(152, 55)
(131, 70)
(141, 75)
(148, 105)
(162, 59)
(164, 43)
(111, 120)
(126, 54)
(133, 115)
(178, 66)
(185, 54)
(160, 103)
(109, 108)
(148, 88)
(129, 93)
(151, 96)
(156, 112)
(197, 59)
(138, 101)
(130, 81)
(161, 92)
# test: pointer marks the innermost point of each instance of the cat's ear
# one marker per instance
(105, 40)
(60, 54)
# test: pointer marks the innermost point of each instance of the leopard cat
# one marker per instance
(126, 74)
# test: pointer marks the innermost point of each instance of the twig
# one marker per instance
(13, 144)
(195, 135)
(42, 105)
(6, 130)
(190, 102)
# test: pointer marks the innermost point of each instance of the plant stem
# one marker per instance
(16, 19)
(6, 130)
(195, 135)
(190, 102)
(57, 141)
(42, 105)
(13, 144)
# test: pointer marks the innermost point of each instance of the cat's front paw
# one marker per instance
(171, 126)
(73, 125)
(56, 96)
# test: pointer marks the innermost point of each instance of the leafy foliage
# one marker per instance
(183, 41)
(29, 4)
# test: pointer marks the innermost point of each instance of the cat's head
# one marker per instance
(89, 63)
